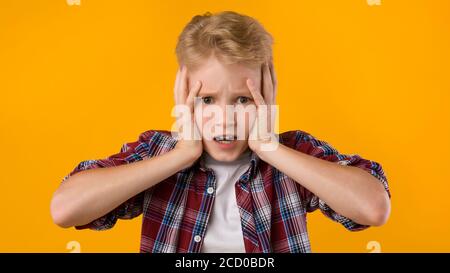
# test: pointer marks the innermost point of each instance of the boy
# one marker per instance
(210, 189)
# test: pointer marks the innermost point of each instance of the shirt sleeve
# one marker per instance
(130, 152)
(306, 143)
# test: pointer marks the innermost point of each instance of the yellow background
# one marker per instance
(76, 82)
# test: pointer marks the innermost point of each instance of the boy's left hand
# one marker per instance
(262, 130)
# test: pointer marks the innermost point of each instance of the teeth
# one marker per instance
(224, 138)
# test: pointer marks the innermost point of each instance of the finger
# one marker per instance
(259, 100)
(183, 86)
(176, 87)
(273, 75)
(193, 94)
(263, 112)
(274, 81)
(267, 84)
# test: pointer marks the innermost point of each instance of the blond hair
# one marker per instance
(229, 36)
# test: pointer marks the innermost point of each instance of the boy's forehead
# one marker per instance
(215, 75)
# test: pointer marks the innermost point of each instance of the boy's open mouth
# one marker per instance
(225, 139)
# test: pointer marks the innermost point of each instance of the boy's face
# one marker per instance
(224, 86)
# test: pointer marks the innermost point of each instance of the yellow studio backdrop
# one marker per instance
(369, 77)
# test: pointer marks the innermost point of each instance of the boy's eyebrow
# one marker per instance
(245, 93)
(237, 93)
(206, 93)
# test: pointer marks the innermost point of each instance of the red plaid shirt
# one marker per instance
(273, 207)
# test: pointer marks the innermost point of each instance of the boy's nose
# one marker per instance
(228, 121)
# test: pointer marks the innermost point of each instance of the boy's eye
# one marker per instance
(243, 100)
(207, 100)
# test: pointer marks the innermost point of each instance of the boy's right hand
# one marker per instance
(189, 139)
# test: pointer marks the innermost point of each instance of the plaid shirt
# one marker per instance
(272, 206)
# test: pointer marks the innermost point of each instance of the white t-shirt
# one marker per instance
(224, 230)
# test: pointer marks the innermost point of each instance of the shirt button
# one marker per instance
(197, 238)
(210, 190)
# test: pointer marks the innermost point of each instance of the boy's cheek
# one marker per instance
(206, 128)
(249, 120)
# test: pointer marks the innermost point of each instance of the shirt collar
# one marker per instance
(250, 173)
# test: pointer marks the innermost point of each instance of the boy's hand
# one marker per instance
(262, 130)
(189, 139)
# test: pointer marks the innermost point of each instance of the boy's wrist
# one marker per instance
(186, 156)
(265, 148)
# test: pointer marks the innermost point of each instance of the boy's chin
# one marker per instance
(225, 155)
